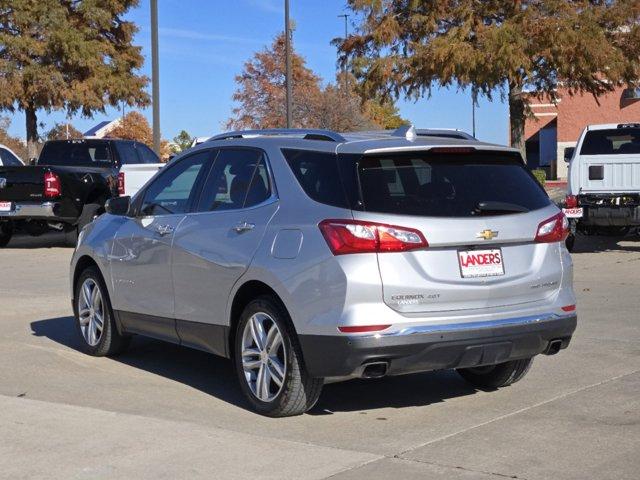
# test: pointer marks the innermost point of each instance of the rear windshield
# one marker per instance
(615, 141)
(89, 153)
(449, 185)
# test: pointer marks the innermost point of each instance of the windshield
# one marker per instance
(614, 141)
(88, 153)
(449, 184)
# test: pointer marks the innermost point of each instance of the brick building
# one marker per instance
(556, 127)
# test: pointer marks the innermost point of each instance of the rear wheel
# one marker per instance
(268, 362)
(6, 232)
(94, 316)
(496, 376)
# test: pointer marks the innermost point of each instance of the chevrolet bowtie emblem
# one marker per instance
(487, 234)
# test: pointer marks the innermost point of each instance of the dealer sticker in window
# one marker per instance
(481, 263)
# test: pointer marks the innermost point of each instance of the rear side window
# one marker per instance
(85, 152)
(146, 154)
(318, 175)
(448, 185)
(237, 180)
(9, 159)
(127, 152)
(615, 141)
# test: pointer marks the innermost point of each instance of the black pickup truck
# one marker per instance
(69, 185)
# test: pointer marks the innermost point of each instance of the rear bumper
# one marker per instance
(36, 211)
(436, 347)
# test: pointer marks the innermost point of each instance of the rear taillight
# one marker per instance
(554, 229)
(121, 183)
(353, 236)
(52, 186)
(571, 201)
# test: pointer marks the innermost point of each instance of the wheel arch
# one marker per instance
(249, 291)
(82, 264)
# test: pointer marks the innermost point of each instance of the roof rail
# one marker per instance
(308, 134)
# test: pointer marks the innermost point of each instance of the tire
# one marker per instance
(6, 232)
(89, 212)
(107, 341)
(570, 242)
(496, 376)
(298, 391)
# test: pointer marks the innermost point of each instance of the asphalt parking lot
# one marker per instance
(162, 411)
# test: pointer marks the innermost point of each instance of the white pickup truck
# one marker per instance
(604, 181)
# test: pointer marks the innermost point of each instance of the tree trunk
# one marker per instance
(517, 118)
(32, 131)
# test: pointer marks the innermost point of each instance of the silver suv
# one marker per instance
(307, 255)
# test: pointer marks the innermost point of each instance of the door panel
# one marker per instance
(142, 251)
(210, 254)
(141, 265)
(214, 247)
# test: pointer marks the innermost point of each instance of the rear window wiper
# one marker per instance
(500, 207)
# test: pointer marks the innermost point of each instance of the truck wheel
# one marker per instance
(570, 242)
(268, 362)
(496, 376)
(94, 316)
(89, 212)
(6, 232)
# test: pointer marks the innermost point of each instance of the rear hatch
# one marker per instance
(21, 184)
(479, 211)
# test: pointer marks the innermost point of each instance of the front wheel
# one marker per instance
(495, 376)
(94, 316)
(268, 362)
(6, 232)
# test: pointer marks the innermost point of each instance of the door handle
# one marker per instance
(164, 229)
(244, 227)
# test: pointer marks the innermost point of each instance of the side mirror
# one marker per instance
(568, 153)
(118, 205)
(33, 161)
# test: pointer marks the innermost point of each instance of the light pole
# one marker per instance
(346, 34)
(287, 47)
(155, 77)
(474, 100)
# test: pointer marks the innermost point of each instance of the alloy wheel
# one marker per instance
(91, 312)
(263, 357)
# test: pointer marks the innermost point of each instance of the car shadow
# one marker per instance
(215, 376)
(47, 240)
(602, 243)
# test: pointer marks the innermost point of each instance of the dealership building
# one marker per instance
(555, 127)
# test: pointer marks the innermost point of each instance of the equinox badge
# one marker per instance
(487, 234)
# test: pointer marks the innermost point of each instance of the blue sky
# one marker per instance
(204, 43)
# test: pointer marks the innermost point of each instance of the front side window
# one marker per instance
(238, 179)
(9, 159)
(614, 141)
(174, 190)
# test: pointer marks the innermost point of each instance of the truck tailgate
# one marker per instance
(135, 176)
(21, 183)
(609, 174)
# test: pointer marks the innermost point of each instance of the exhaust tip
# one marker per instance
(375, 370)
(553, 347)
